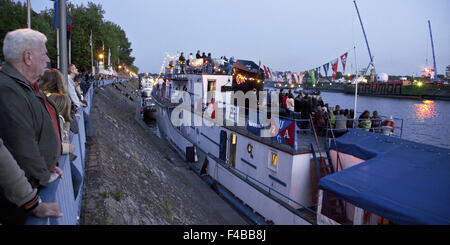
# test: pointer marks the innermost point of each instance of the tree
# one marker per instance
(13, 16)
(84, 20)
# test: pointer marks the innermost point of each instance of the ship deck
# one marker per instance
(305, 137)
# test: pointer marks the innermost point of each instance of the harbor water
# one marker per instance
(424, 121)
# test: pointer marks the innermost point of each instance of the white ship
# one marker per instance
(267, 167)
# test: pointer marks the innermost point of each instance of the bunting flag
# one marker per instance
(274, 74)
(295, 76)
(69, 25)
(280, 76)
(284, 132)
(325, 68)
(334, 66)
(344, 61)
(289, 77)
(318, 72)
(270, 73)
(266, 72)
(300, 78)
(313, 79)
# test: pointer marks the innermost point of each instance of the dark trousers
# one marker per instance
(10, 214)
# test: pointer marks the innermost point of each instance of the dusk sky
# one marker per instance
(286, 35)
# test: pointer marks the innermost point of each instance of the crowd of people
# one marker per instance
(306, 107)
(206, 65)
(38, 110)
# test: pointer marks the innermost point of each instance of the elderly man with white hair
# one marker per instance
(29, 124)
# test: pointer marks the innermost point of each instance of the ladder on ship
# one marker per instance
(333, 207)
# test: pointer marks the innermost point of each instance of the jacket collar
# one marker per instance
(12, 72)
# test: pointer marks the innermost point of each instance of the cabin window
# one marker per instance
(211, 89)
(273, 160)
(211, 85)
(232, 152)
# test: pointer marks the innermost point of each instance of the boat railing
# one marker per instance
(208, 66)
(270, 190)
(286, 200)
(375, 126)
(303, 126)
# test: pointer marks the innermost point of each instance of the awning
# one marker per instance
(248, 66)
(403, 181)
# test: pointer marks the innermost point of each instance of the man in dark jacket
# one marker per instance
(29, 124)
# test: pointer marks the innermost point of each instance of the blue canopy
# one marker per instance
(403, 181)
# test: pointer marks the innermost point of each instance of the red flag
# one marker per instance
(295, 76)
(300, 77)
(103, 48)
(334, 66)
(265, 71)
(344, 61)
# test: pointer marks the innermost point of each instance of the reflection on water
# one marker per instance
(425, 110)
(423, 121)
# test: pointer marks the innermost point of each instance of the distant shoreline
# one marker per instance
(411, 97)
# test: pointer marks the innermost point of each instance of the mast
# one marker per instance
(63, 38)
(356, 89)
(28, 14)
(365, 37)
(434, 58)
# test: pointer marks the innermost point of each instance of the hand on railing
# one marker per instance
(57, 171)
(71, 148)
(44, 210)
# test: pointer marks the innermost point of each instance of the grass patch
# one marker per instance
(105, 194)
(118, 196)
(167, 210)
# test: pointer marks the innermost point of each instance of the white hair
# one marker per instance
(18, 41)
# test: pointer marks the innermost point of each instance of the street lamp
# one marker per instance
(100, 56)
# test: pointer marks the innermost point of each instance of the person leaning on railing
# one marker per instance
(17, 197)
(52, 82)
(341, 124)
(376, 122)
(63, 104)
(388, 126)
(364, 121)
(29, 124)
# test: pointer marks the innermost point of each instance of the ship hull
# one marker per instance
(266, 205)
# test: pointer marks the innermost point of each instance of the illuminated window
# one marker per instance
(211, 85)
(233, 137)
(273, 160)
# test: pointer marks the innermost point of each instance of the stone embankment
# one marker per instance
(133, 177)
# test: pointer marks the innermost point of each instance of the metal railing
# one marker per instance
(303, 125)
(212, 67)
(262, 186)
